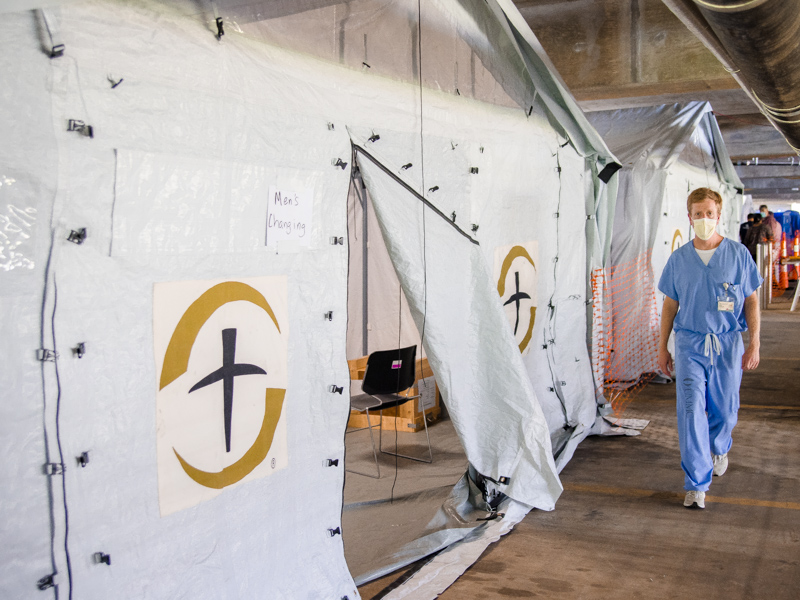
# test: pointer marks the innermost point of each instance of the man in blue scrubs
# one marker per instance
(710, 286)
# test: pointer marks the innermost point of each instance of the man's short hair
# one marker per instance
(757, 219)
(764, 207)
(701, 194)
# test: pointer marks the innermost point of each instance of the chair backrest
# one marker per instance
(390, 371)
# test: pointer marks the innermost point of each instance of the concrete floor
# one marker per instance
(620, 531)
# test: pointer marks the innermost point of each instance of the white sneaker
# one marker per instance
(720, 464)
(695, 499)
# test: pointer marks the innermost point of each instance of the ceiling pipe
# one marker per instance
(757, 41)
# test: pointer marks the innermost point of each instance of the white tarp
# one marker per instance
(190, 138)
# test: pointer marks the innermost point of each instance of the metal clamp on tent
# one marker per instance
(339, 163)
(79, 350)
(46, 582)
(80, 127)
(56, 48)
(51, 469)
(83, 459)
(101, 558)
(499, 481)
(217, 21)
(45, 355)
(77, 236)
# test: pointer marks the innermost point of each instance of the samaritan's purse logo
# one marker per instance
(519, 294)
(209, 437)
(677, 240)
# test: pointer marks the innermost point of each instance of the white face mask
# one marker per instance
(704, 228)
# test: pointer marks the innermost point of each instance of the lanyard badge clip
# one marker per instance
(725, 302)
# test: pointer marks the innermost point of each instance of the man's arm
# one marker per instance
(752, 315)
(668, 312)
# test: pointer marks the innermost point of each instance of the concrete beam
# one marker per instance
(755, 172)
(727, 102)
(608, 48)
(767, 196)
(772, 183)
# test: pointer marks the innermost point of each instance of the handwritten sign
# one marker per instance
(289, 216)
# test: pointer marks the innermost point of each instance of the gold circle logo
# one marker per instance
(176, 362)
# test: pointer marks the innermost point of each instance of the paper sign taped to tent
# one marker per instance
(221, 366)
(515, 271)
(289, 216)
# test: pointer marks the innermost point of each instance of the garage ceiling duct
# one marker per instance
(759, 39)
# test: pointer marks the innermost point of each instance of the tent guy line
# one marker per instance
(359, 150)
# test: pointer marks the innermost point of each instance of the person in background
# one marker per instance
(710, 286)
(758, 233)
(770, 221)
(745, 227)
(768, 217)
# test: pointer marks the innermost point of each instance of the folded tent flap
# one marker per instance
(477, 363)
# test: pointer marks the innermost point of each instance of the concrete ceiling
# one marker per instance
(628, 53)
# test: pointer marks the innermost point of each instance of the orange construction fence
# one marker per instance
(625, 330)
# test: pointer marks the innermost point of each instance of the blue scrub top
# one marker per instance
(696, 287)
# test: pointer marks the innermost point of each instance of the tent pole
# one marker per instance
(364, 268)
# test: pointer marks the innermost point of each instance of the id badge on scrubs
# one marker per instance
(725, 302)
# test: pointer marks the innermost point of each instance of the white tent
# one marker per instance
(666, 152)
(175, 189)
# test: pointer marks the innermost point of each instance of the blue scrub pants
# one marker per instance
(708, 400)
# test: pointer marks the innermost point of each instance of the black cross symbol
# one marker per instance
(226, 373)
(515, 298)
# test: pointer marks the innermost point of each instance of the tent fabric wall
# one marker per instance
(189, 132)
(104, 298)
(666, 152)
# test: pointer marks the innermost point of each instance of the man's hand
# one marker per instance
(665, 363)
(753, 318)
(668, 312)
(751, 358)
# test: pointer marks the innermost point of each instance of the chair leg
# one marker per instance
(374, 453)
(430, 450)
